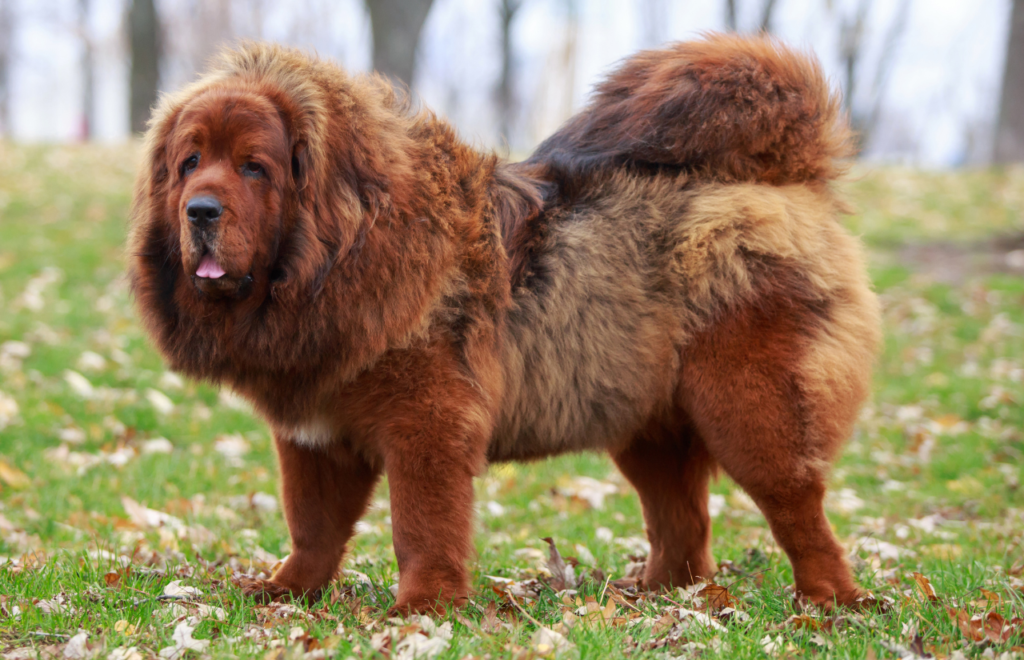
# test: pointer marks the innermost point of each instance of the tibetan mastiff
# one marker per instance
(665, 279)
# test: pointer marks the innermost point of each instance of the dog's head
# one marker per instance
(273, 187)
(255, 182)
(232, 171)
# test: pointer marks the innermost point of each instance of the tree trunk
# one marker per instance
(506, 101)
(396, 27)
(732, 21)
(766, 15)
(144, 38)
(88, 79)
(6, 48)
(1009, 147)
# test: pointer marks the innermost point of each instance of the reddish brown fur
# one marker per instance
(664, 280)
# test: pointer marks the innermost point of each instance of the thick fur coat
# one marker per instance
(665, 280)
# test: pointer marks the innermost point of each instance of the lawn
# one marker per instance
(131, 499)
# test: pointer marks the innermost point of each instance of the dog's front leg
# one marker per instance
(431, 481)
(325, 490)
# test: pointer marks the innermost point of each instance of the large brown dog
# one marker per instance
(664, 280)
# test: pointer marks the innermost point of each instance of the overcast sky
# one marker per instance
(939, 99)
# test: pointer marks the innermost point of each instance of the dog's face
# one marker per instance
(231, 168)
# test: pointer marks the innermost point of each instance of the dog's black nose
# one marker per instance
(203, 211)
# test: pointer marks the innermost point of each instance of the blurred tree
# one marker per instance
(766, 15)
(6, 53)
(654, 22)
(506, 98)
(865, 114)
(88, 79)
(213, 29)
(764, 23)
(1009, 147)
(396, 27)
(144, 41)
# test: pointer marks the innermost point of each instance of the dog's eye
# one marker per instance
(190, 164)
(253, 169)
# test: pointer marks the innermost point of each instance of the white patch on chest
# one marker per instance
(316, 433)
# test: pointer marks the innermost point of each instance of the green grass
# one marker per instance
(933, 470)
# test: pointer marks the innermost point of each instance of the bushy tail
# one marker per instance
(724, 107)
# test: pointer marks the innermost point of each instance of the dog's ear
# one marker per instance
(158, 135)
(153, 249)
(306, 257)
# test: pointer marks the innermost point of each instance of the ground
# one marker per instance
(132, 501)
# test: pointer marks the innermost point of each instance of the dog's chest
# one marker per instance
(314, 434)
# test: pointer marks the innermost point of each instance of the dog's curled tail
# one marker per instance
(724, 107)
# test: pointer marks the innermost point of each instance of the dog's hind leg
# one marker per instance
(774, 390)
(670, 469)
(325, 490)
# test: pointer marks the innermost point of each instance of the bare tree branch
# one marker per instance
(851, 37)
(869, 120)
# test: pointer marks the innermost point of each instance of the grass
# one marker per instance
(929, 484)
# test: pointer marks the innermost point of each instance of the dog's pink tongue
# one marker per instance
(208, 267)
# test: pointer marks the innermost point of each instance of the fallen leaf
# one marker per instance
(157, 446)
(547, 642)
(717, 597)
(174, 591)
(77, 647)
(491, 623)
(125, 653)
(13, 477)
(589, 490)
(992, 597)
(8, 410)
(160, 401)
(144, 517)
(79, 384)
(562, 574)
(183, 642)
(924, 585)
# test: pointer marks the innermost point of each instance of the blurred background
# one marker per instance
(937, 83)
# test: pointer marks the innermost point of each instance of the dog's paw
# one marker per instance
(429, 606)
(263, 591)
(828, 600)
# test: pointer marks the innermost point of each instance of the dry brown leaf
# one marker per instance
(992, 597)
(13, 477)
(31, 561)
(925, 587)
(969, 628)
(663, 625)
(805, 621)
(625, 583)
(562, 574)
(491, 623)
(717, 597)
